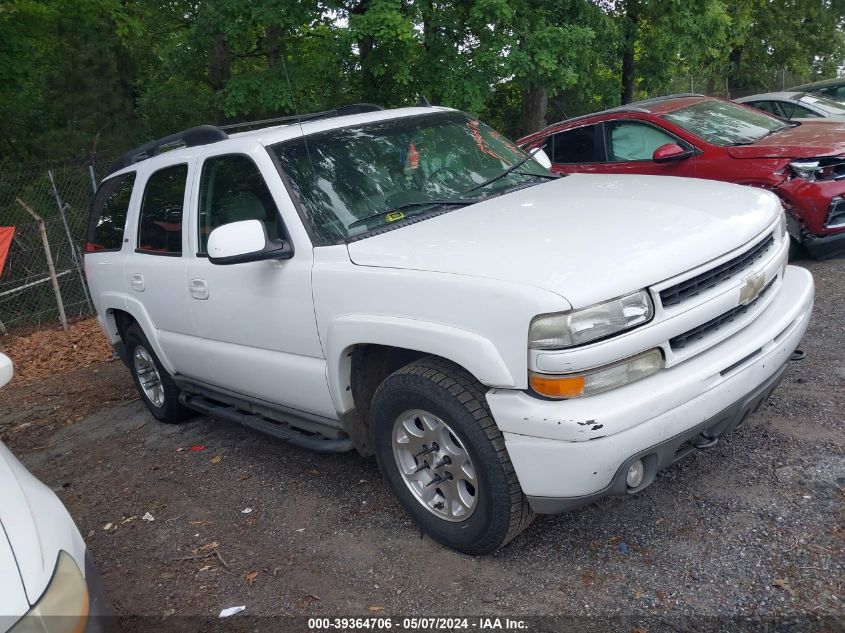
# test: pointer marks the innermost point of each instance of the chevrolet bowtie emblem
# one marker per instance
(751, 289)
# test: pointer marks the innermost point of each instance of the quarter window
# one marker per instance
(108, 215)
(629, 141)
(160, 224)
(232, 190)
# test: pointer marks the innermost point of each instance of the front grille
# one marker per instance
(680, 341)
(674, 295)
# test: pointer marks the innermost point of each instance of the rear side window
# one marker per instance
(232, 190)
(108, 215)
(576, 146)
(160, 223)
(800, 112)
(771, 107)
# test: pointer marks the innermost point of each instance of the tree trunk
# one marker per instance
(271, 45)
(629, 42)
(366, 44)
(535, 103)
(733, 72)
(219, 68)
(369, 84)
(218, 63)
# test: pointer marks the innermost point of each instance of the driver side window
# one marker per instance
(630, 141)
(231, 190)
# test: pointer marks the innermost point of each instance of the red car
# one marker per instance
(702, 137)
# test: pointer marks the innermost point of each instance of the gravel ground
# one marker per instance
(753, 527)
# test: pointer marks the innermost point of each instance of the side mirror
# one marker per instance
(6, 370)
(541, 157)
(669, 152)
(245, 241)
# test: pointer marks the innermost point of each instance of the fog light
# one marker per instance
(635, 474)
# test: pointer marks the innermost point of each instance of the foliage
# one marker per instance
(80, 76)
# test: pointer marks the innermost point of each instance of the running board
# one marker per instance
(279, 430)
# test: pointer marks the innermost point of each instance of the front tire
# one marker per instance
(155, 386)
(445, 459)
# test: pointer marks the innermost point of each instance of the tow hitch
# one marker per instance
(705, 440)
(798, 354)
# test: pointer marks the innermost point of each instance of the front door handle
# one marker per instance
(198, 289)
(137, 282)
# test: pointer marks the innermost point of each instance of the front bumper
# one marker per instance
(823, 247)
(652, 418)
(101, 615)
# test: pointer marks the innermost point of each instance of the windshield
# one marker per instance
(356, 179)
(833, 108)
(723, 123)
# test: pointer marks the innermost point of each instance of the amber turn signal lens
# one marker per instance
(558, 386)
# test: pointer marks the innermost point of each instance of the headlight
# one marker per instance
(63, 607)
(598, 380)
(576, 327)
(806, 169)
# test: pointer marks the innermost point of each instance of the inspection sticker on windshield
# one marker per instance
(393, 216)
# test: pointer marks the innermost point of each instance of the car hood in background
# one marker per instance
(37, 525)
(586, 237)
(810, 139)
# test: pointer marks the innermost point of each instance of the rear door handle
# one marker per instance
(198, 289)
(137, 282)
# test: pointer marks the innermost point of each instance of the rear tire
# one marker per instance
(463, 491)
(154, 384)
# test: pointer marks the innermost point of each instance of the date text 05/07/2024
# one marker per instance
(416, 624)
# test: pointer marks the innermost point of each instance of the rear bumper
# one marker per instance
(652, 418)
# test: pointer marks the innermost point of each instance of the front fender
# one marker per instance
(471, 351)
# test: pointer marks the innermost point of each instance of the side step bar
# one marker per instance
(279, 430)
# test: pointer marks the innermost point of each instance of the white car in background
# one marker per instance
(796, 106)
(48, 583)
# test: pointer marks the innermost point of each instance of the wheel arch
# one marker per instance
(119, 316)
(475, 353)
(363, 350)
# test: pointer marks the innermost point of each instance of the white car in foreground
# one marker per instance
(48, 583)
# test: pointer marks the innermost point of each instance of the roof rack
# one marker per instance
(206, 134)
(200, 135)
(355, 108)
(652, 100)
(634, 106)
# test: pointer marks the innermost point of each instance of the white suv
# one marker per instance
(411, 284)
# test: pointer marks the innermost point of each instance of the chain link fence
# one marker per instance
(42, 283)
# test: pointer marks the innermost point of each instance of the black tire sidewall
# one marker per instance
(172, 411)
(481, 532)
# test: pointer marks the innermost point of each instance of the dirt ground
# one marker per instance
(753, 527)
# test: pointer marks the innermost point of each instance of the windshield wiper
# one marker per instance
(509, 170)
(457, 202)
(551, 176)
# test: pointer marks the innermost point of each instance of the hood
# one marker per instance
(810, 139)
(586, 237)
(36, 524)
